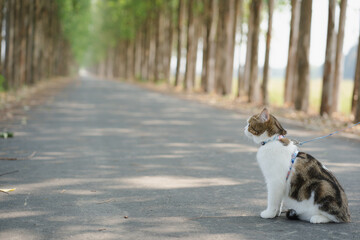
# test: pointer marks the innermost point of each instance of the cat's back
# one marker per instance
(311, 179)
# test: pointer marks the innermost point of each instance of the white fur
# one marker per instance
(274, 160)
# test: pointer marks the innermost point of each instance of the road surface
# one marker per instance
(109, 160)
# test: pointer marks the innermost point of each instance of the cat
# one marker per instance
(296, 179)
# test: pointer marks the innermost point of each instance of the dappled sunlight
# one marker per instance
(151, 167)
(232, 147)
(17, 233)
(93, 132)
(169, 156)
(79, 192)
(342, 167)
(20, 214)
(167, 122)
(59, 183)
(74, 105)
(173, 182)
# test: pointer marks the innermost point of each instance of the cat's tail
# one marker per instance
(292, 215)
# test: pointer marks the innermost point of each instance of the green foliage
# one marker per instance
(76, 19)
(93, 27)
(2, 83)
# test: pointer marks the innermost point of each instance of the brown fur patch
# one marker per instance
(272, 126)
(311, 177)
(285, 141)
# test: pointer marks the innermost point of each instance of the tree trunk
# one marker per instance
(339, 57)
(2, 5)
(291, 77)
(326, 95)
(249, 42)
(145, 52)
(207, 20)
(303, 66)
(158, 47)
(231, 33)
(211, 22)
(357, 111)
(168, 43)
(240, 76)
(152, 49)
(9, 54)
(253, 79)
(138, 53)
(191, 49)
(355, 95)
(130, 60)
(227, 22)
(180, 36)
(264, 87)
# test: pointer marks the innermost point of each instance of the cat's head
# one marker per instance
(262, 126)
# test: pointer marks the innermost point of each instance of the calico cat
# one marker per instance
(302, 183)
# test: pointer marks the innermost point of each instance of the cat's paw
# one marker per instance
(268, 213)
(319, 219)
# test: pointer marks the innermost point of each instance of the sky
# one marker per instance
(281, 31)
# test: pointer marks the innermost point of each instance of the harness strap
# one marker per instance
(293, 158)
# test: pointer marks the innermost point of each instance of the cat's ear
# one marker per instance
(264, 115)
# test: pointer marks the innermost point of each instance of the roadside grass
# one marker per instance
(276, 94)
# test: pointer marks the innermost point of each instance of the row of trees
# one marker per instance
(144, 33)
(136, 39)
(34, 44)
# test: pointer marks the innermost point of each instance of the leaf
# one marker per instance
(7, 190)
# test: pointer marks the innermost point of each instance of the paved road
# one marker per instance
(114, 161)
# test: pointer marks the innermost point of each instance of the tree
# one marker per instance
(355, 95)
(339, 56)
(240, 77)
(303, 66)
(2, 5)
(191, 48)
(253, 79)
(32, 37)
(290, 77)
(180, 37)
(356, 98)
(326, 95)
(225, 45)
(264, 87)
(244, 84)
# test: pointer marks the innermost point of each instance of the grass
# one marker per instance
(276, 94)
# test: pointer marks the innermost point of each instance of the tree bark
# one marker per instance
(191, 49)
(249, 42)
(253, 77)
(145, 52)
(326, 95)
(211, 22)
(291, 77)
(339, 57)
(158, 47)
(357, 111)
(264, 87)
(2, 5)
(138, 53)
(206, 32)
(9, 55)
(355, 95)
(225, 43)
(168, 43)
(303, 66)
(240, 76)
(180, 37)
